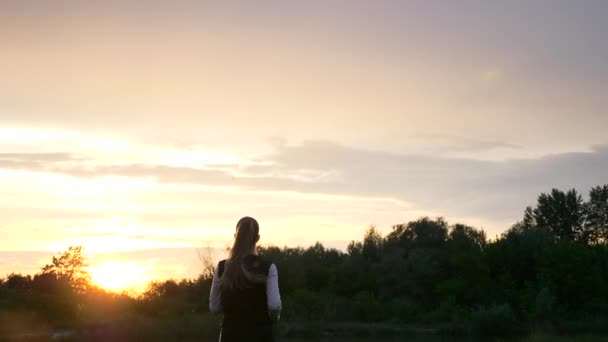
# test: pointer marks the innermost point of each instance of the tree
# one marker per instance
(529, 221)
(596, 225)
(69, 267)
(208, 264)
(18, 281)
(423, 232)
(372, 244)
(563, 213)
(467, 273)
(429, 233)
(466, 237)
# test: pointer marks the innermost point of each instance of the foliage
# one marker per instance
(548, 270)
(496, 320)
(69, 267)
(596, 225)
(562, 213)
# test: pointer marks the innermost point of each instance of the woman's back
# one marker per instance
(247, 306)
(245, 288)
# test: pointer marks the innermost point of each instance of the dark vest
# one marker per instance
(246, 310)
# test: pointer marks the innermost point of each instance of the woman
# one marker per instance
(245, 288)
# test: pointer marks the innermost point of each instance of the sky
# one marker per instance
(144, 130)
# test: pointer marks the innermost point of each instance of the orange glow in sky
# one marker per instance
(118, 276)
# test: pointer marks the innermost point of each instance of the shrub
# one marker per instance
(367, 308)
(496, 320)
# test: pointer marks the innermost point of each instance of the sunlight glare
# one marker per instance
(117, 276)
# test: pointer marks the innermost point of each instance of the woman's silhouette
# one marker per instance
(245, 288)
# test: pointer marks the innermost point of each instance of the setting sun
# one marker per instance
(120, 276)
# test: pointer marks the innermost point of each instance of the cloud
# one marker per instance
(322, 68)
(140, 236)
(33, 161)
(162, 173)
(493, 190)
(55, 156)
(456, 143)
(457, 186)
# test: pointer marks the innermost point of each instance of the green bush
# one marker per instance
(545, 305)
(446, 311)
(496, 320)
(368, 309)
(405, 310)
(303, 304)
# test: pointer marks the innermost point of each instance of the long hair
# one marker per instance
(234, 277)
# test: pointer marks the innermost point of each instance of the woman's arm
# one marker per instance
(272, 293)
(215, 297)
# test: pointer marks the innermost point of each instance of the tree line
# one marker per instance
(549, 270)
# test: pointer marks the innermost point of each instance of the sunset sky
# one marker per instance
(143, 130)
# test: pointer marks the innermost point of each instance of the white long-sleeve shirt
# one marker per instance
(272, 293)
